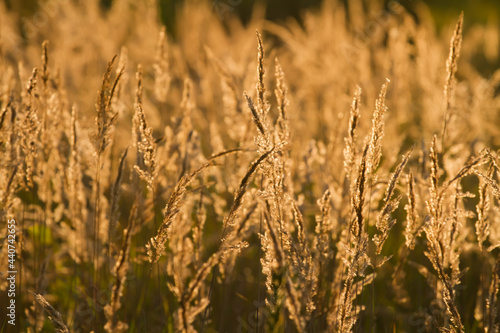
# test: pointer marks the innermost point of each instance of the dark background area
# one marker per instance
(443, 11)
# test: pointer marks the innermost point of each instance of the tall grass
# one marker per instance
(223, 180)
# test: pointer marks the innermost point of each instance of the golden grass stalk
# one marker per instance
(30, 127)
(54, 316)
(451, 69)
(356, 247)
(281, 92)
(299, 221)
(482, 209)
(115, 192)
(261, 110)
(120, 272)
(77, 202)
(7, 192)
(324, 228)
(105, 118)
(277, 271)
(350, 151)
(146, 143)
(493, 159)
(255, 116)
(412, 228)
(199, 224)
(156, 245)
(358, 197)
(5, 109)
(32, 81)
(240, 192)
(308, 279)
(435, 203)
(377, 133)
(494, 187)
(436, 230)
(261, 90)
(384, 222)
(115, 196)
(11, 135)
(357, 263)
(45, 60)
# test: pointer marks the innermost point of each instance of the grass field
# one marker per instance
(337, 174)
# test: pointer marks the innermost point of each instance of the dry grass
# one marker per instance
(209, 187)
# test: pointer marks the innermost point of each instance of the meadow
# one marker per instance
(340, 173)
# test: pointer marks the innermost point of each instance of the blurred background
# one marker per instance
(443, 11)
